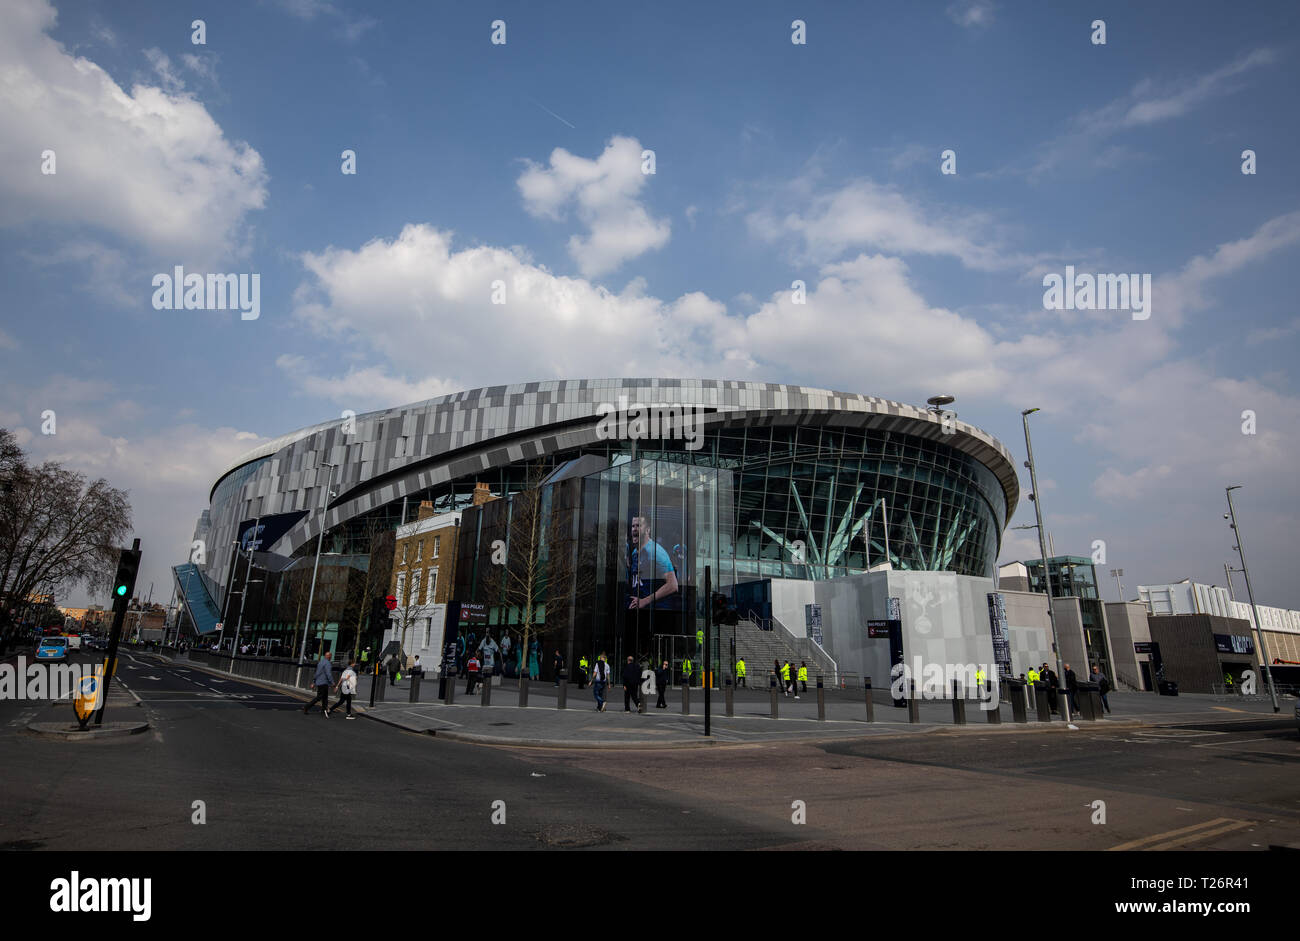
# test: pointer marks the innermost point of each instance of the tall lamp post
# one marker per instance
(1117, 574)
(1042, 548)
(1259, 625)
(311, 595)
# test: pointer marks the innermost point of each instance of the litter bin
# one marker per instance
(1167, 688)
(1084, 701)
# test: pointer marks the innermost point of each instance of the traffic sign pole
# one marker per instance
(127, 567)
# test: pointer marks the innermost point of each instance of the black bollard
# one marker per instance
(686, 698)
(1044, 706)
(871, 706)
(958, 705)
(994, 714)
(451, 691)
(1018, 711)
(821, 699)
(523, 690)
(913, 704)
(415, 687)
(374, 681)
(562, 698)
(730, 695)
(485, 697)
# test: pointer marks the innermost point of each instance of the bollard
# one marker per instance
(958, 705)
(381, 681)
(871, 706)
(821, 700)
(374, 680)
(451, 692)
(523, 690)
(1097, 709)
(995, 714)
(772, 692)
(1044, 707)
(686, 698)
(485, 698)
(562, 698)
(1018, 711)
(730, 695)
(415, 687)
(913, 704)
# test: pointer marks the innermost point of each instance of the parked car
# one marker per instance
(52, 648)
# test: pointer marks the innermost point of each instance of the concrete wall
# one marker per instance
(1127, 621)
(788, 599)
(945, 619)
(1030, 629)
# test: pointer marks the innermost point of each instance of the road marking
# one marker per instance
(1227, 709)
(1237, 741)
(1203, 835)
(1163, 837)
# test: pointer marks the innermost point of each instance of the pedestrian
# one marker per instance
(1071, 689)
(471, 671)
(687, 669)
(583, 666)
(1053, 682)
(599, 681)
(558, 666)
(740, 672)
(324, 677)
(631, 685)
(787, 679)
(663, 676)
(392, 669)
(534, 660)
(1103, 686)
(803, 675)
(347, 687)
(416, 669)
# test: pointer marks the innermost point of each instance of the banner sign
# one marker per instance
(813, 620)
(1233, 643)
(1001, 634)
(259, 535)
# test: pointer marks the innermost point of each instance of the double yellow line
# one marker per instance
(1172, 838)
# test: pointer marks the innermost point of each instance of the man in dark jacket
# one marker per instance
(1103, 685)
(1071, 690)
(631, 685)
(663, 676)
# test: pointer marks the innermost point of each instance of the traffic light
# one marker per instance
(719, 608)
(128, 566)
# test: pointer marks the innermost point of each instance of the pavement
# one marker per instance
(542, 724)
(56, 719)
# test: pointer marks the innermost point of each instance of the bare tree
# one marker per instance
(381, 540)
(55, 529)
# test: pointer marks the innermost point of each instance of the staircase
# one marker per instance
(759, 647)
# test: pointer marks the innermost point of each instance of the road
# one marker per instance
(268, 776)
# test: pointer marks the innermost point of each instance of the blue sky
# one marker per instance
(774, 162)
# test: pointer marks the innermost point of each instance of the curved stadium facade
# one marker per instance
(854, 480)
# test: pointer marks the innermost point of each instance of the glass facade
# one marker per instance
(817, 503)
(1076, 577)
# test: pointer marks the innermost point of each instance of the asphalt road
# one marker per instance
(271, 777)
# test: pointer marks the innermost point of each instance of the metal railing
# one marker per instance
(802, 643)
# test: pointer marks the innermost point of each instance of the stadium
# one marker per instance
(821, 485)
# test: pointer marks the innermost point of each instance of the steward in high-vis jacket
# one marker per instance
(740, 672)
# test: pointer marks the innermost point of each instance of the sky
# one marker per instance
(524, 161)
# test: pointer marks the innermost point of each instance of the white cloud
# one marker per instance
(364, 389)
(1084, 143)
(172, 83)
(866, 215)
(971, 13)
(149, 166)
(602, 193)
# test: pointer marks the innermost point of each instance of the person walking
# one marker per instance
(1071, 690)
(347, 687)
(740, 671)
(324, 677)
(663, 676)
(471, 671)
(786, 679)
(534, 660)
(583, 667)
(394, 669)
(1103, 685)
(1053, 683)
(599, 682)
(631, 685)
(803, 675)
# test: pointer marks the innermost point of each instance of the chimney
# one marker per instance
(482, 494)
(425, 511)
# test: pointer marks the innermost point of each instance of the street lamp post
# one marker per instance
(1042, 548)
(1117, 574)
(311, 595)
(1259, 625)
